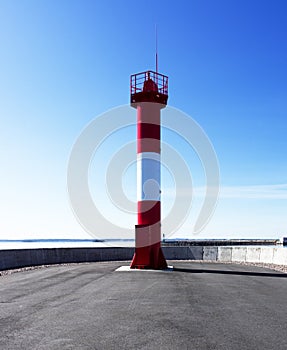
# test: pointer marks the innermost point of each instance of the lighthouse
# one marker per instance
(149, 94)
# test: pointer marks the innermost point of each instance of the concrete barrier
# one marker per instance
(11, 259)
(266, 255)
(210, 253)
(280, 256)
(224, 253)
(253, 254)
(183, 253)
(238, 254)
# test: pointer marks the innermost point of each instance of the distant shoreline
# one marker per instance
(165, 242)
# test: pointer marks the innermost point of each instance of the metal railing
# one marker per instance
(140, 81)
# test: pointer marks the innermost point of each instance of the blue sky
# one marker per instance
(62, 63)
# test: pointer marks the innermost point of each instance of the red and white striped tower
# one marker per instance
(149, 94)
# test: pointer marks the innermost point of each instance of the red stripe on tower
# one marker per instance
(148, 96)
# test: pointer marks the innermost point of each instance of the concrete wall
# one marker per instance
(210, 253)
(11, 259)
(183, 253)
(263, 254)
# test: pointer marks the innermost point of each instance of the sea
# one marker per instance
(6, 244)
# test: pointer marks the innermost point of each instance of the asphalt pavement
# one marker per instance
(195, 306)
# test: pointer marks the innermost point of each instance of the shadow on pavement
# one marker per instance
(225, 272)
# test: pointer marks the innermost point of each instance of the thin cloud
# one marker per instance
(278, 191)
(255, 192)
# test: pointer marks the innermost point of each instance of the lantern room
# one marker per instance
(149, 86)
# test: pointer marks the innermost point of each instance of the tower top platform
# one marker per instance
(149, 86)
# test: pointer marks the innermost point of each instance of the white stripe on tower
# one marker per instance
(148, 176)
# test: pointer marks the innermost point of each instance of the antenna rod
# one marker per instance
(156, 59)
